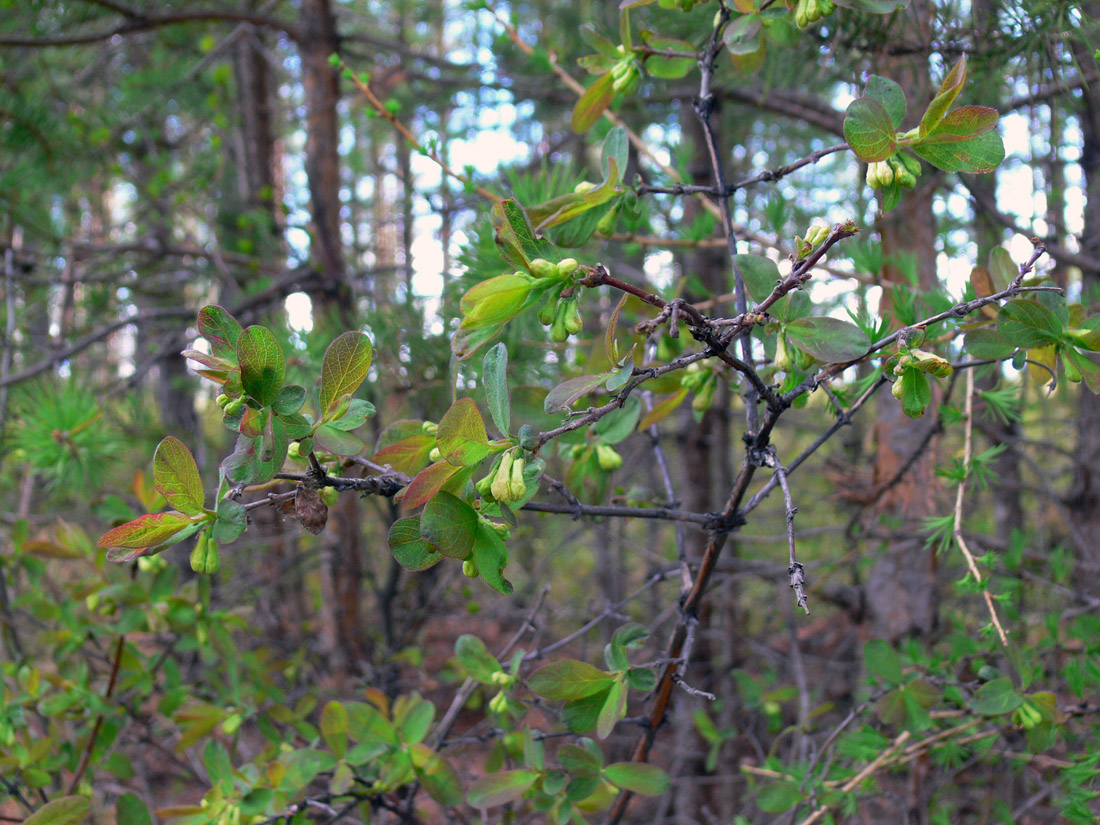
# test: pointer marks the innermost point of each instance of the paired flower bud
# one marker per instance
(902, 169)
(204, 558)
(508, 484)
(810, 11)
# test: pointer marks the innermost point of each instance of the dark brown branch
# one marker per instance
(143, 23)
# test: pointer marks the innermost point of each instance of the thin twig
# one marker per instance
(957, 530)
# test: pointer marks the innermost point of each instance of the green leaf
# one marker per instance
(496, 300)
(515, 237)
(949, 90)
(409, 547)
(176, 476)
(231, 521)
(916, 395)
(615, 153)
(449, 525)
(582, 715)
(983, 153)
(828, 339)
(131, 810)
(778, 797)
(742, 36)
(639, 777)
(890, 95)
(1027, 323)
(145, 531)
(759, 274)
(996, 698)
(568, 679)
(869, 130)
(882, 660)
(465, 342)
(480, 664)
(68, 810)
(641, 678)
(346, 363)
(1002, 269)
(987, 344)
(500, 788)
(565, 394)
(414, 727)
(461, 435)
(873, 6)
(491, 557)
(290, 400)
(669, 68)
(579, 761)
(614, 709)
(495, 374)
(618, 425)
(354, 416)
(1089, 369)
(334, 440)
(334, 728)
(263, 367)
(592, 103)
(220, 329)
(437, 775)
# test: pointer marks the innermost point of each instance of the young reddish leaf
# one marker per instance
(592, 103)
(206, 359)
(408, 456)
(962, 125)
(145, 531)
(890, 95)
(461, 435)
(949, 90)
(427, 483)
(491, 557)
(869, 130)
(565, 394)
(500, 788)
(263, 367)
(661, 411)
(579, 761)
(220, 329)
(568, 679)
(347, 360)
(176, 476)
(409, 547)
(638, 777)
(450, 525)
(983, 153)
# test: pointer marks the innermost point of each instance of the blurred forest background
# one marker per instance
(159, 156)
